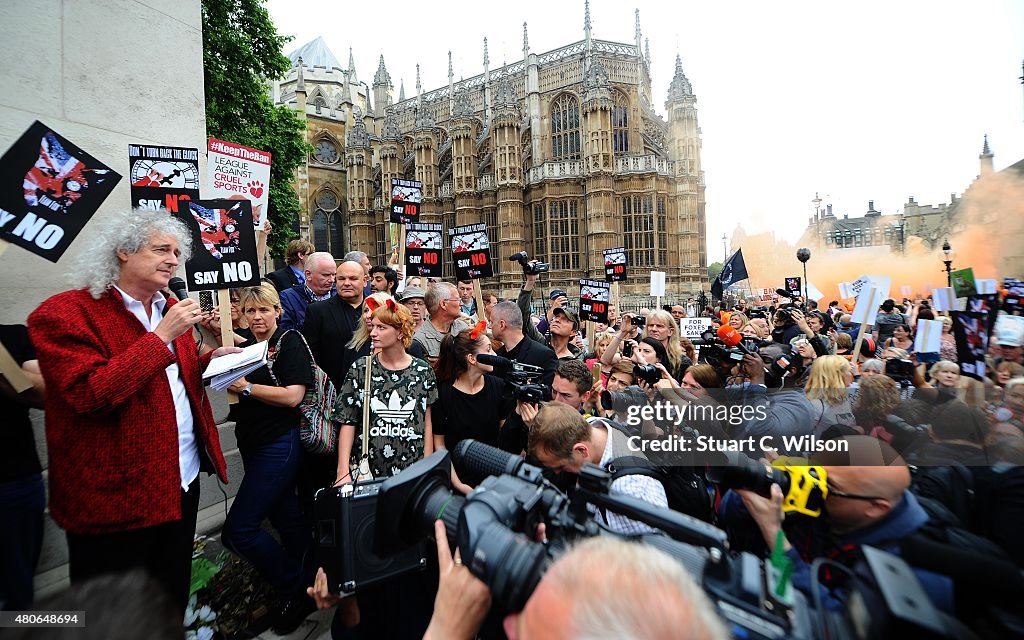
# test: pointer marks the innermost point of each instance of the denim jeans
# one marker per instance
(22, 502)
(268, 491)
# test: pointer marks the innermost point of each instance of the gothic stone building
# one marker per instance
(561, 154)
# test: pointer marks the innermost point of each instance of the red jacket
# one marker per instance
(111, 430)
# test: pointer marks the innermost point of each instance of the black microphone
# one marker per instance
(178, 288)
(497, 362)
(786, 294)
(475, 461)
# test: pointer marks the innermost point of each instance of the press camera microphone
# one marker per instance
(178, 288)
(785, 294)
(497, 362)
(475, 461)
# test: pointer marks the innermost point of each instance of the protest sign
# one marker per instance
(657, 283)
(594, 298)
(160, 177)
(813, 293)
(985, 285)
(615, 264)
(793, 285)
(423, 244)
(471, 251)
(882, 283)
(866, 309)
(846, 290)
(963, 282)
(693, 328)
(406, 199)
(1013, 298)
(49, 189)
(237, 172)
(969, 329)
(943, 299)
(1009, 330)
(223, 244)
(928, 336)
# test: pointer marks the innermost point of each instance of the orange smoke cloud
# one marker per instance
(987, 235)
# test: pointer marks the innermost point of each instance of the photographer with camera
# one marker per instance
(625, 339)
(561, 440)
(785, 324)
(786, 410)
(652, 597)
(564, 322)
(863, 506)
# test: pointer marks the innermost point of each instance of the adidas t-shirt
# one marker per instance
(398, 410)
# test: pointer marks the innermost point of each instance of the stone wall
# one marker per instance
(103, 73)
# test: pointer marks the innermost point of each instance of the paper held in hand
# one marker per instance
(228, 368)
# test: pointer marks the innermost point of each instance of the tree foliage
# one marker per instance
(714, 269)
(242, 52)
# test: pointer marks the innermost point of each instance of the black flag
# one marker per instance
(733, 271)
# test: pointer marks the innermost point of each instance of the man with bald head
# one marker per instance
(868, 503)
(317, 287)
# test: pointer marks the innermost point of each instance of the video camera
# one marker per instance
(529, 268)
(901, 370)
(521, 378)
(494, 526)
(803, 487)
(646, 372)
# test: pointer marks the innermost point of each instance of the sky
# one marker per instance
(852, 101)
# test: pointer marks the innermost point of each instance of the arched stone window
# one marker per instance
(620, 123)
(565, 128)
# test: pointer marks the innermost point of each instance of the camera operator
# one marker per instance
(507, 328)
(786, 327)
(563, 327)
(786, 410)
(651, 597)
(561, 440)
(865, 505)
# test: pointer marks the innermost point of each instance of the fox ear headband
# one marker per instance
(373, 304)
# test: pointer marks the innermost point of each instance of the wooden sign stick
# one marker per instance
(226, 334)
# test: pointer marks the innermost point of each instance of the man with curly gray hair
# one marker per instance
(128, 424)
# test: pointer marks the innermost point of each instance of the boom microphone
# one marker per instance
(178, 288)
(786, 294)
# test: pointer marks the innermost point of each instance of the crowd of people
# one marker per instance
(116, 365)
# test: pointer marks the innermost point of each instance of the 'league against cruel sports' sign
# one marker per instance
(237, 172)
(471, 251)
(615, 264)
(594, 298)
(162, 177)
(49, 189)
(223, 244)
(406, 200)
(423, 244)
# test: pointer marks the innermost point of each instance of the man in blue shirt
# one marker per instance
(317, 287)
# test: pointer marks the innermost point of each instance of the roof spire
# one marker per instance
(637, 32)
(419, 87)
(680, 86)
(526, 44)
(985, 150)
(301, 84)
(352, 68)
(401, 90)
(382, 77)
(487, 58)
(647, 51)
(586, 23)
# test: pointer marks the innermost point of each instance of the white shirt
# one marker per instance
(188, 453)
(645, 488)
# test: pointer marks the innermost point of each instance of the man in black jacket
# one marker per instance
(507, 327)
(292, 273)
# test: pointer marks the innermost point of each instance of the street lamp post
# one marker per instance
(947, 259)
